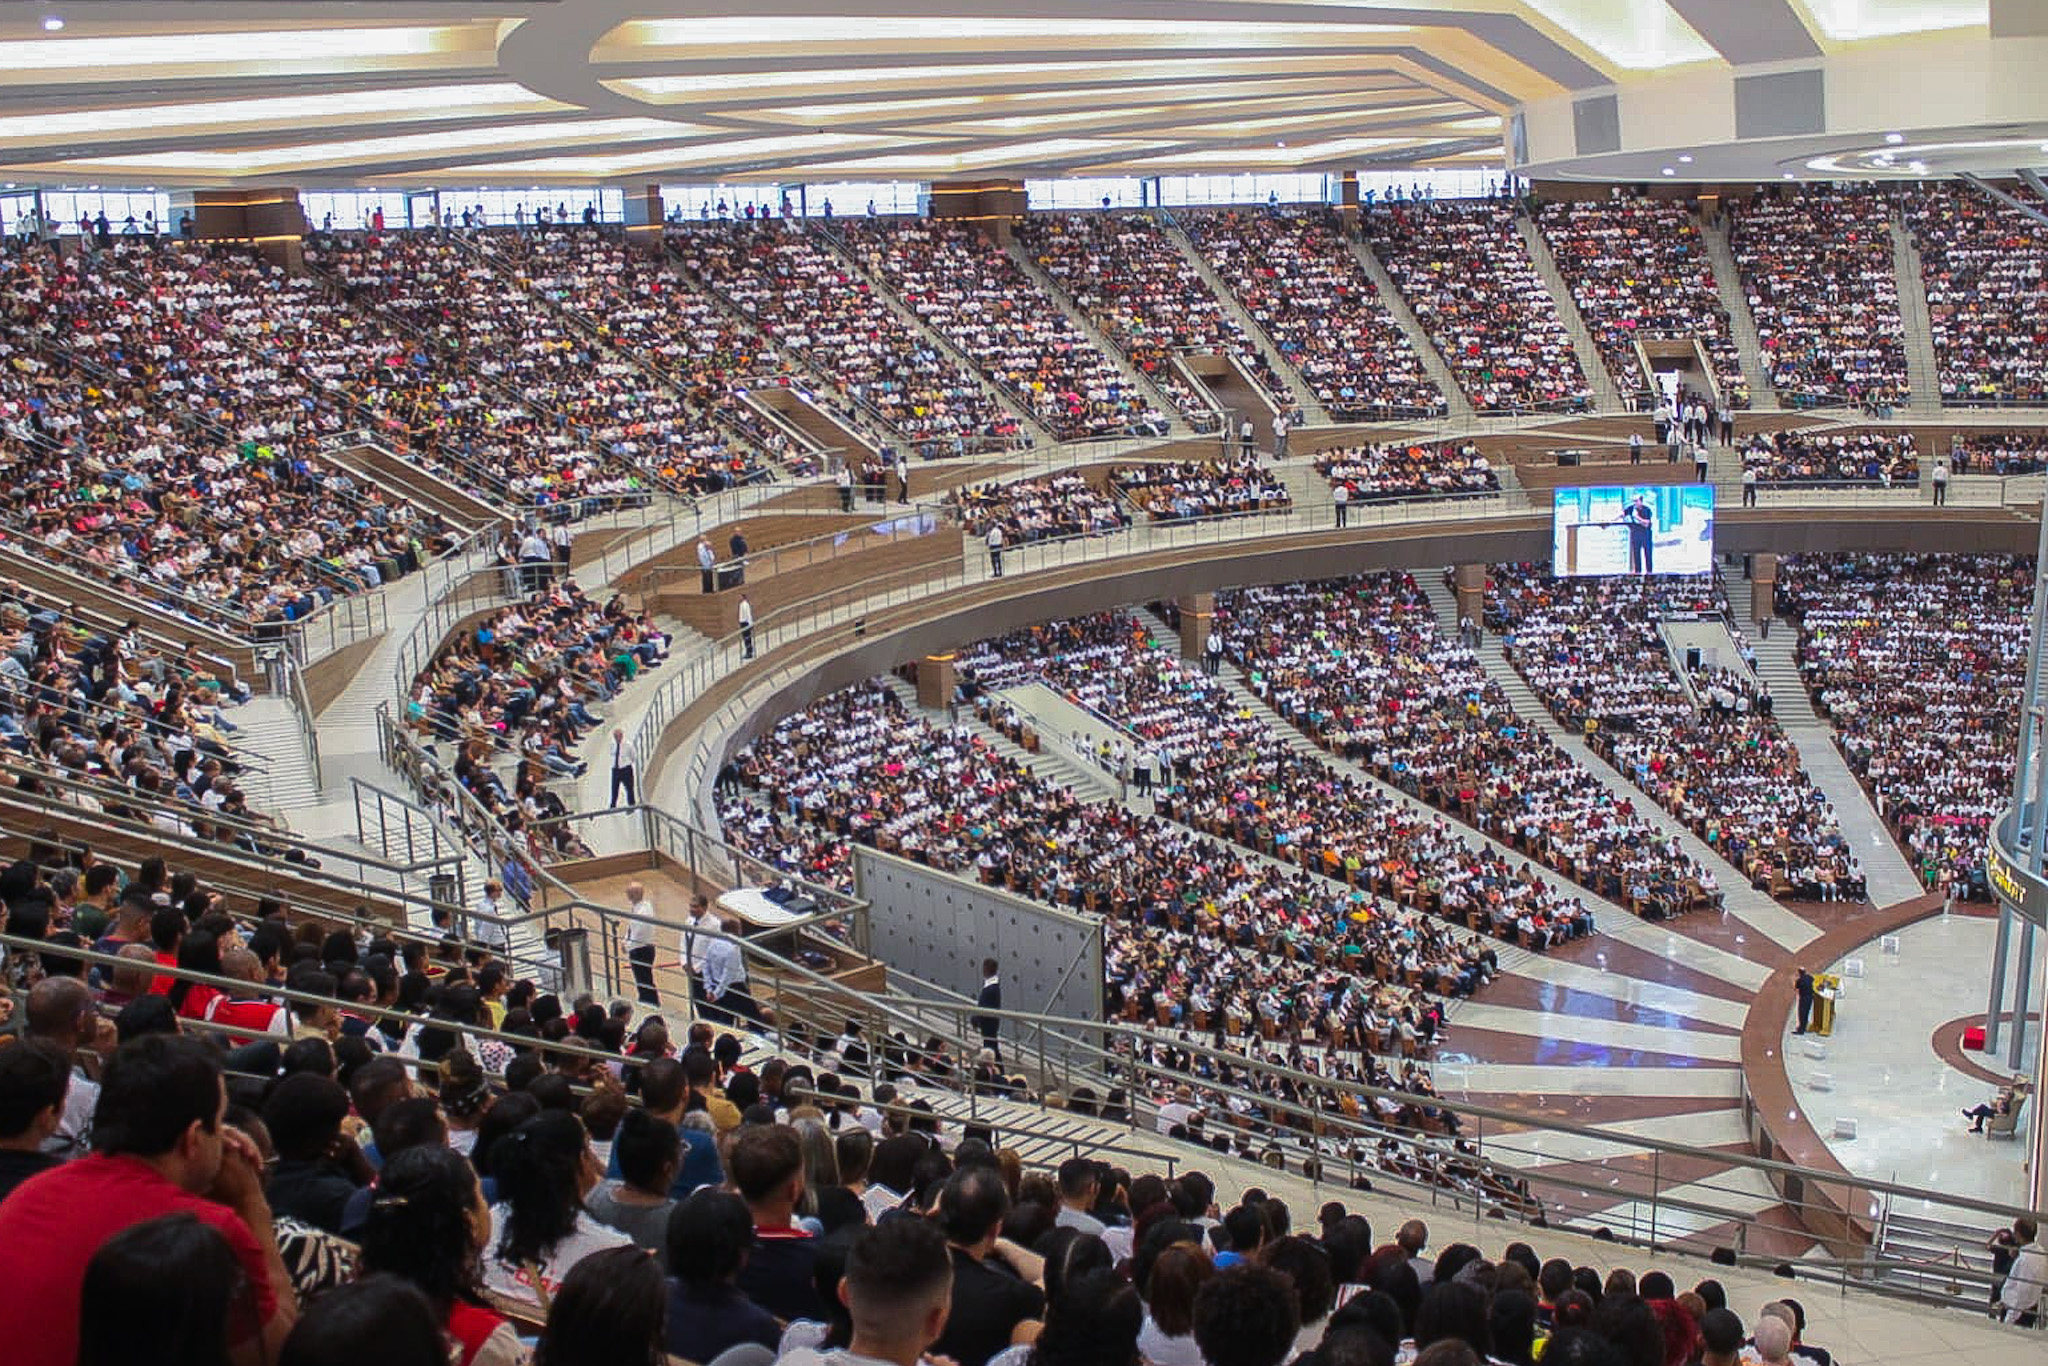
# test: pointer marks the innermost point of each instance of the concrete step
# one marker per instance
(1418, 337)
(1923, 368)
(1748, 347)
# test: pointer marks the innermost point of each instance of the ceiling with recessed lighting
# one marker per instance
(572, 91)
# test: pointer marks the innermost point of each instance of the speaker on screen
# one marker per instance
(1633, 529)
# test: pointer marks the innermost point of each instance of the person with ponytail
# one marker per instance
(539, 1228)
(428, 1225)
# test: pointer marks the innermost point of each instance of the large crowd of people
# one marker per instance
(1295, 275)
(1361, 666)
(1050, 507)
(154, 445)
(1147, 298)
(1817, 266)
(1986, 297)
(1179, 490)
(2015, 452)
(1919, 661)
(1638, 269)
(1468, 279)
(1706, 748)
(1404, 469)
(1886, 457)
(516, 695)
(966, 288)
(814, 305)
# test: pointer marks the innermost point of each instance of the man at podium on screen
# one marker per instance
(1642, 529)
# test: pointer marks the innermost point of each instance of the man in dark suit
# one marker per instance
(1805, 988)
(1642, 527)
(991, 998)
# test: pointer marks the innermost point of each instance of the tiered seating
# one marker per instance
(180, 463)
(1176, 490)
(1401, 470)
(1637, 268)
(967, 289)
(473, 311)
(1998, 452)
(1919, 660)
(1591, 650)
(1299, 281)
(638, 304)
(522, 687)
(1360, 666)
(805, 297)
(1467, 277)
(1986, 272)
(1788, 457)
(1146, 297)
(1817, 266)
(1234, 777)
(1050, 507)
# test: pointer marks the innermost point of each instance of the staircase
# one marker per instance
(270, 733)
(1054, 763)
(937, 340)
(1606, 396)
(1298, 388)
(1086, 326)
(1885, 869)
(1952, 1256)
(1432, 363)
(1923, 370)
(1741, 322)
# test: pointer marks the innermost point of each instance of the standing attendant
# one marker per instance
(1804, 986)
(1941, 483)
(746, 628)
(995, 550)
(1749, 487)
(1635, 448)
(696, 945)
(622, 770)
(726, 998)
(990, 998)
(534, 559)
(1340, 497)
(1247, 434)
(640, 943)
(565, 541)
(738, 546)
(902, 480)
(844, 479)
(1212, 652)
(1699, 462)
(1727, 426)
(707, 564)
(1280, 436)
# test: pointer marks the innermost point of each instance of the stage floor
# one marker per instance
(1889, 1072)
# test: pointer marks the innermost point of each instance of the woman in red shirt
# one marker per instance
(428, 1224)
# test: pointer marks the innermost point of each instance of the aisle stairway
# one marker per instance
(270, 729)
(1298, 388)
(1397, 307)
(1086, 326)
(1890, 876)
(1053, 763)
(1748, 347)
(1606, 397)
(1923, 370)
(1743, 902)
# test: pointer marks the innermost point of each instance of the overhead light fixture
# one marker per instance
(1790, 176)
(1670, 171)
(1895, 138)
(51, 23)
(1280, 142)
(1685, 160)
(1917, 167)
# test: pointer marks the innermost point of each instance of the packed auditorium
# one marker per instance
(899, 685)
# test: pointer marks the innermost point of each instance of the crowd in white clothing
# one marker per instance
(1175, 490)
(1885, 457)
(1985, 267)
(1398, 469)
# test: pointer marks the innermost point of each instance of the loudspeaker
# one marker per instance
(1852, 967)
(1845, 1128)
(1569, 457)
(1821, 1081)
(1890, 943)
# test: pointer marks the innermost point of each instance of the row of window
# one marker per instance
(349, 210)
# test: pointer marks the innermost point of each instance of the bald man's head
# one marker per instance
(58, 1010)
(132, 976)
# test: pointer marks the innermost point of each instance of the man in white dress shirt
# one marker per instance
(640, 943)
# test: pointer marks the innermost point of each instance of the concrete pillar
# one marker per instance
(2022, 999)
(936, 677)
(271, 219)
(1996, 1008)
(1347, 200)
(1197, 619)
(645, 213)
(1763, 586)
(1469, 582)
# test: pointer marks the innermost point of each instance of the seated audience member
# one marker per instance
(1093, 1321)
(172, 1280)
(898, 1294)
(648, 1154)
(1980, 263)
(384, 1319)
(1247, 1315)
(312, 1181)
(539, 1228)
(996, 1299)
(612, 1310)
(428, 1224)
(34, 1078)
(709, 1237)
(160, 1147)
(768, 1172)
